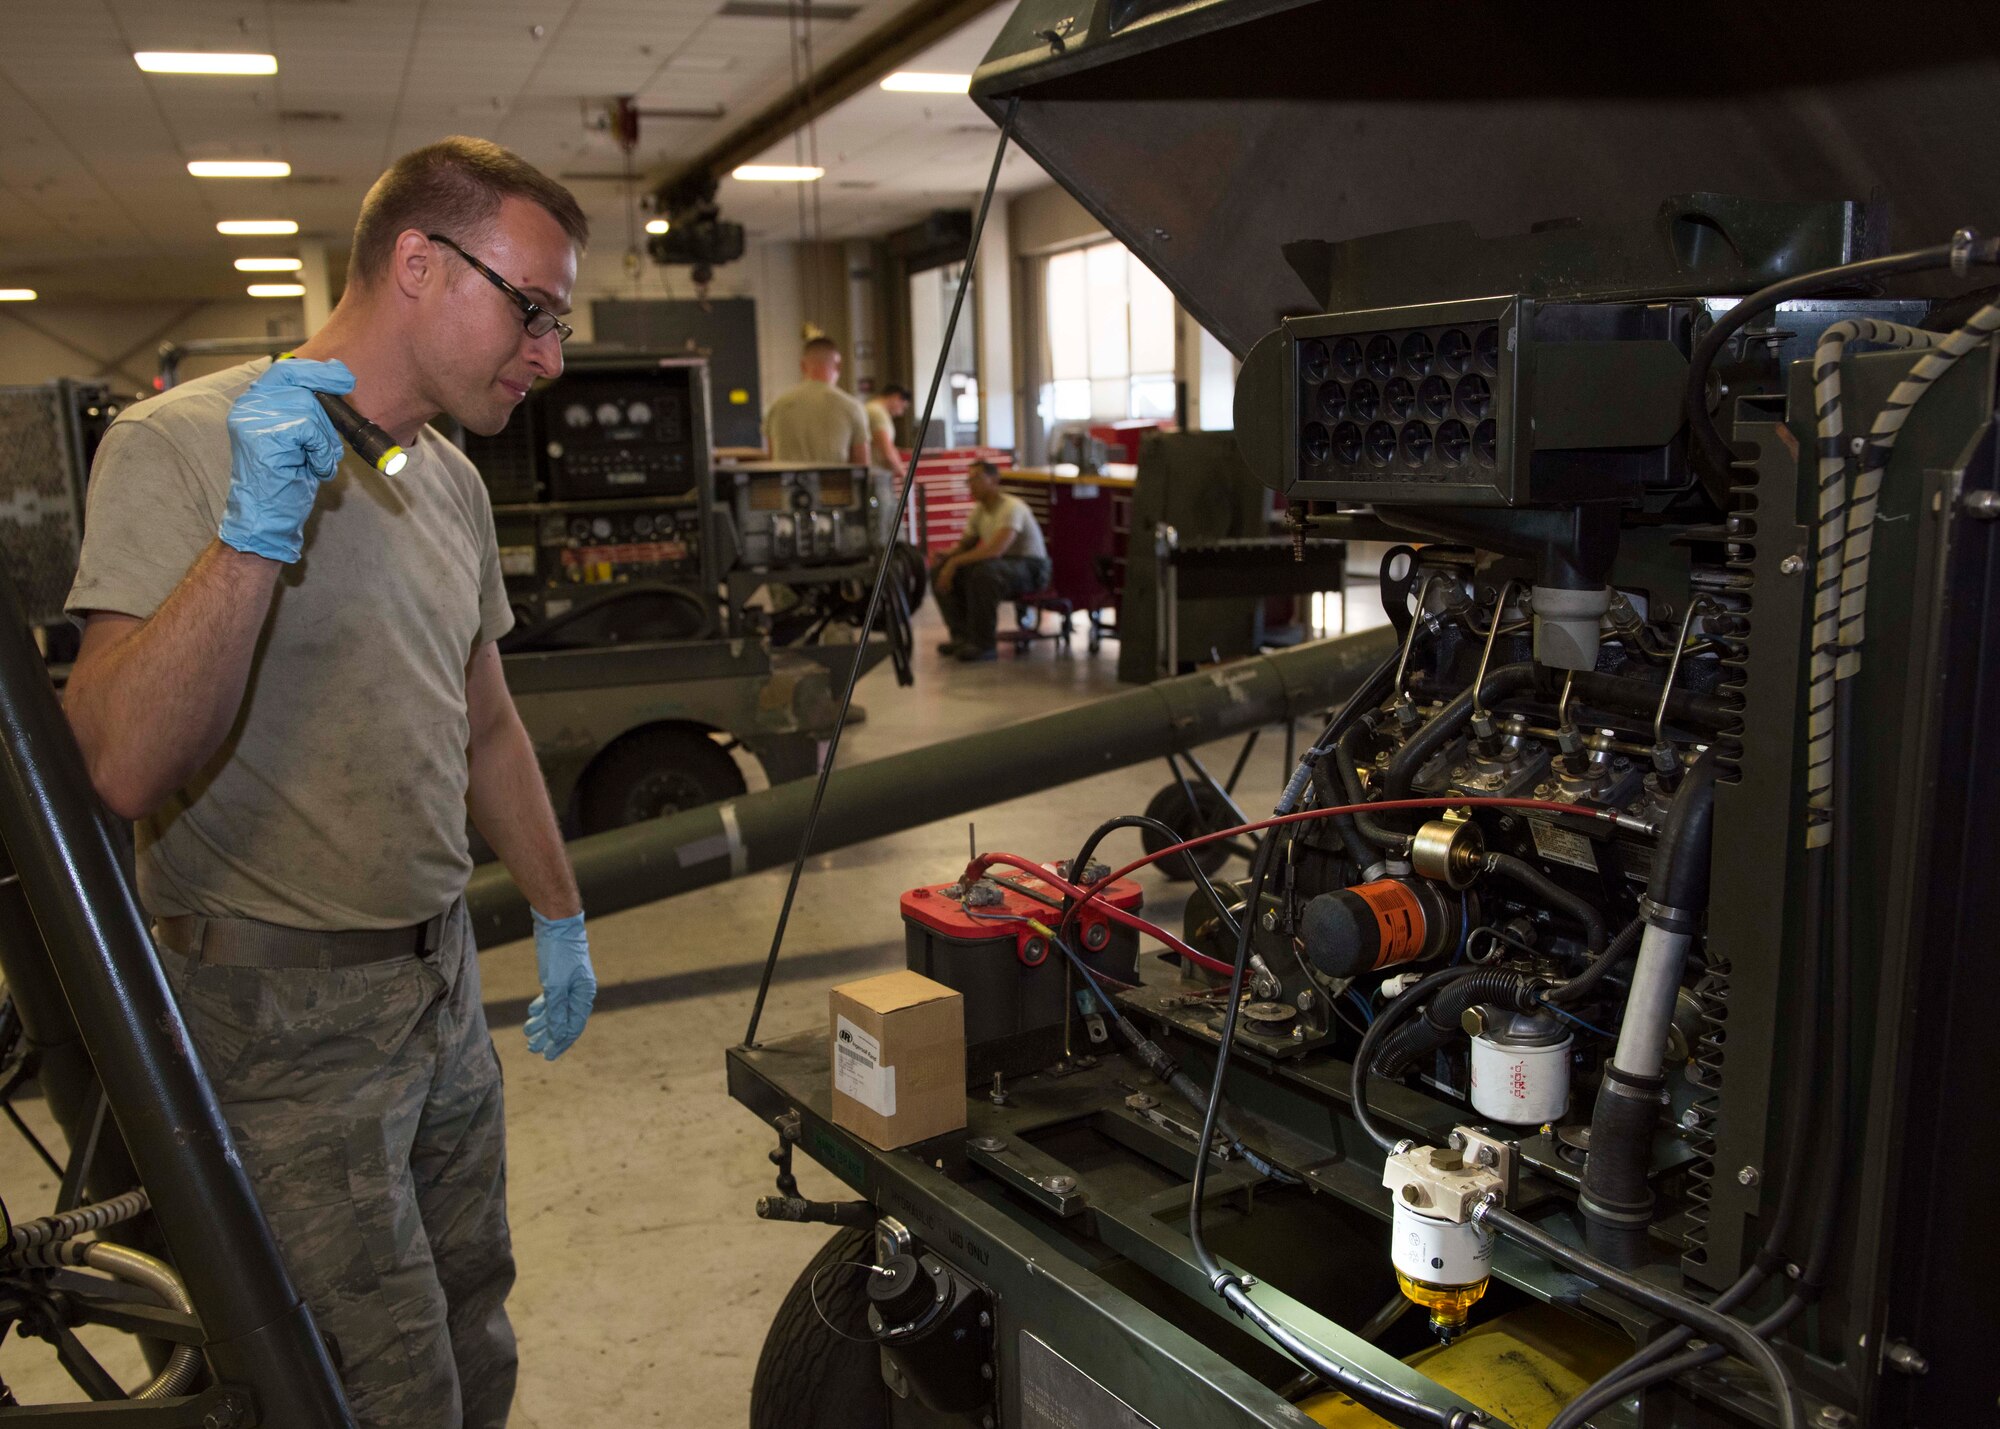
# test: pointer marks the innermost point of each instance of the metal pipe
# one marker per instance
(1479, 714)
(1698, 603)
(1417, 619)
(137, 1268)
(644, 862)
(1649, 1006)
(260, 1333)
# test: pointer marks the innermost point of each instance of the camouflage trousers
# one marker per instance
(366, 1104)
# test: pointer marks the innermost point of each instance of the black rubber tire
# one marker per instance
(912, 572)
(653, 773)
(1170, 807)
(808, 1377)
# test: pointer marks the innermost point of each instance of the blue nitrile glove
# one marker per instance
(282, 445)
(569, 985)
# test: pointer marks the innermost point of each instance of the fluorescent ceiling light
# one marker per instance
(175, 62)
(657, 225)
(776, 173)
(268, 265)
(239, 168)
(269, 227)
(277, 290)
(909, 81)
(17, 295)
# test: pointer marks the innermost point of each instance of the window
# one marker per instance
(1110, 326)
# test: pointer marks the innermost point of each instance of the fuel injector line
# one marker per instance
(1629, 696)
(1617, 1199)
(1444, 726)
(1520, 871)
(1703, 1319)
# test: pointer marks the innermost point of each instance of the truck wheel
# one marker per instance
(1170, 807)
(808, 1377)
(655, 773)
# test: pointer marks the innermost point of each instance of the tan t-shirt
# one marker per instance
(816, 422)
(338, 798)
(1009, 514)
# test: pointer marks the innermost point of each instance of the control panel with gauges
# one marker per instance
(788, 515)
(602, 483)
(614, 426)
(613, 437)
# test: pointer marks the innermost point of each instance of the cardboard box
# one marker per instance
(897, 1044)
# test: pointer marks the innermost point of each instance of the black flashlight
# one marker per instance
(363, 437)
(369, 442)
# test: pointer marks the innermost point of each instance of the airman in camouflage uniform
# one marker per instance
(379, 1155)
(289, 680)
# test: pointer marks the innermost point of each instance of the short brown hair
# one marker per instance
(821, 344)
(453, 187)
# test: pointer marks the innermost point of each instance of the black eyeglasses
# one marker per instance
(539, 321)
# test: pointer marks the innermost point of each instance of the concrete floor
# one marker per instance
(646, 1281)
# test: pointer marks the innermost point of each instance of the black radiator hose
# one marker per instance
(1520, 871)
(1680, 864)
(1440, 1021)
(1617, 1198)
(1366, 841)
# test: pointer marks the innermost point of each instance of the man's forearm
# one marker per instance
(154, 707)
(510, 807)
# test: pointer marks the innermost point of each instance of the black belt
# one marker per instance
(248, 943)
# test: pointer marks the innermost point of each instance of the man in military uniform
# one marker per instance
(288, 680)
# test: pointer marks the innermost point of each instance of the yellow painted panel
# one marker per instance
(1522, 1367)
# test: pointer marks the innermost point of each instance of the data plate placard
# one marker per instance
(1055, 1394)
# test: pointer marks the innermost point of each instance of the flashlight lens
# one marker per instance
(393, 461)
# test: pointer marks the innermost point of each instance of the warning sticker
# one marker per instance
(1563, 846)
(858, 1071)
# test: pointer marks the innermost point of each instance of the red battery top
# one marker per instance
(942, 907)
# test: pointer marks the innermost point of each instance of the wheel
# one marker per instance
(808, 1377)
(913, 572)
(1170, 807)
(654, 773)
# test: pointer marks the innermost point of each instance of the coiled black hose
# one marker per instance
(1385, 1023)
(29, 1236)
(1440, 1023)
